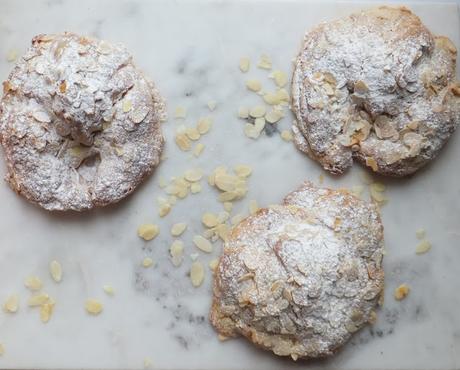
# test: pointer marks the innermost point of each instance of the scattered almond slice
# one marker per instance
(192, 133)
(377, 186)
(212, 104)
(193, 175)
(253, 207)
(46, 310)
(257, 111)
(264, 62)
(148, 363)
(176, 250)
(197, 274)
(223, 216)
(253, 85)
(148, 231)
(56, 271)
(202, 244)
(33, 283)
(273, 116)
(195, 188)
(11, 55)
(228, 206)
(222, 231)
(204, 125)
(244, 64)
(280, 78)
(108, 289)
(194, 256)
(147, 262)
(213, 264)
(225, 182)
(243, 112)
(372, 163)
(180, 112)
(251, 132)
(242, 170)
(172, 199)
(423, 247)
(178, 229)
(209, 219)
(401, 292)
(38, 299)
(198, 149)
(286, 135)
(183, 142)
(420, 234)
(11, 304)
(93, 306)
(357, 190)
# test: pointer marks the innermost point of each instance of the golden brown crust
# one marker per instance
(377, 87)
(298, 279)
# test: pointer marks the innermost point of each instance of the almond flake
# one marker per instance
(11, 304)
(423, 247)
(46, 310)
(180, 112)
(213, 264)
(148, 363)
(192, 133)
(139, 115)
(280, 78)
(193, 175)
(253, 85)
(264, 62)
(209, 219)
(227, 196)
(104, 47)
(286, 135)
(108, 289)
(357, 190)
(420, 233)
(259, 124)
(204, 125)
(56, 271)
(11, 55)
(372, 163)
(38, 299)
(212, 104)
(378, 196)
(197, 274)
(183, 142)
(378, 187)
(257, 111)
(243, 112)
(228, 206)
(148, 231)
(176, 250)
(271, 99)
(147, 262)
(244, 64)
(127, 105)
(242, 170)
(164, 209)
(401, 292)
(162, 182)
(223, 216)
(93, 306)
(253, 207)
(222, 231)
(195, 188)
(41, 116)
(33, 283)
(194, 256)
(251, 132)
(178, 229)
(202, 244)
(198, 149)
(273, 116)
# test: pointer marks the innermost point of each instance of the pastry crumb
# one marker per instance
(244, 64)
(286, 135)
(108, 289)
(93, 306)
(148, 231)
(423, 247)
(401, 292)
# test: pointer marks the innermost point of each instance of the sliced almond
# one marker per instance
(195, 188)
(193, 175)
(178, 229)
(108, 289)
(56, 271)
(148, 231)
(11, 304)
(176, 250)
(180, 112)
(212, 104)
(202, 244)
(423, 247)
(286, 135)
(93, 306)
(33, 283)
(243, 112)
(38, 299)
(401, 292)
(253, 85)
(147, 262)
(253, 207)
(198, 149)
(372, 163)
(242, 170)
(225, 182)
(420, 233)
(209, 219)
(204, 125)
(228, 206)
(280, 78)
(197, 274)
(213, 264)
(257, 111)
(244, 64)
(264, 62)
(192, 133)
(46, 310)
(127, 105)
(183, 142)
(273, 116)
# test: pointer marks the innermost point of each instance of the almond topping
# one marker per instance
(197, 274)
(202, 244)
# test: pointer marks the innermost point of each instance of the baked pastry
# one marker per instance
(298, 279)
(377, 87)
(79, 123)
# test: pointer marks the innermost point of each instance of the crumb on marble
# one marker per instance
(401, 292)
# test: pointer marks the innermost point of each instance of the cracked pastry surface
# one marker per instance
(376, 87)
(79, 123)
(298, 279)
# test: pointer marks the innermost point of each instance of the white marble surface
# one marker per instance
(191, 49)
